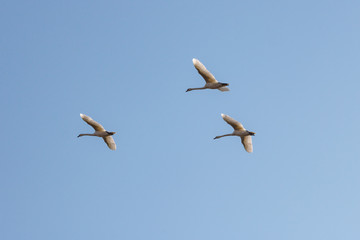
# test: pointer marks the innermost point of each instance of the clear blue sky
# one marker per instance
(293, 69)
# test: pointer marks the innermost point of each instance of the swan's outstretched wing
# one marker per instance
(247, 142)
(97, 126)
(235, 124)
(209, 78)
(110, 142)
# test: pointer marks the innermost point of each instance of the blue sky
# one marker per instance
(293, 70)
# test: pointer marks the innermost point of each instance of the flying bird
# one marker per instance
(240, 131)
(99, 131)
(210, 80)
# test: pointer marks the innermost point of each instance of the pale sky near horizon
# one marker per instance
(293, 70)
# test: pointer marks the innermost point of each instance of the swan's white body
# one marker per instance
(211, 82)
(240, 131)
(99, 131)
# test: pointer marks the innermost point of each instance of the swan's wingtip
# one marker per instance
(81, 115)
(222, 115)
(194, 60)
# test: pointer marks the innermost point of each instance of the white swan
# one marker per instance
(211, 82)
(99, 131)
(240, 131)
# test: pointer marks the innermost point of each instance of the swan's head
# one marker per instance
(110, 133)
(188, 90)
(251, 133)
(224, 84)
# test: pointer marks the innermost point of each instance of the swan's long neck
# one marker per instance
(190, 89)
(231, 134)
(86, 134)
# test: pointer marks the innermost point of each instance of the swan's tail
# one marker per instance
(224, 89)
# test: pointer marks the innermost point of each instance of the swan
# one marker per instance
(240, 131)
(211, 82)
(99, 131)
